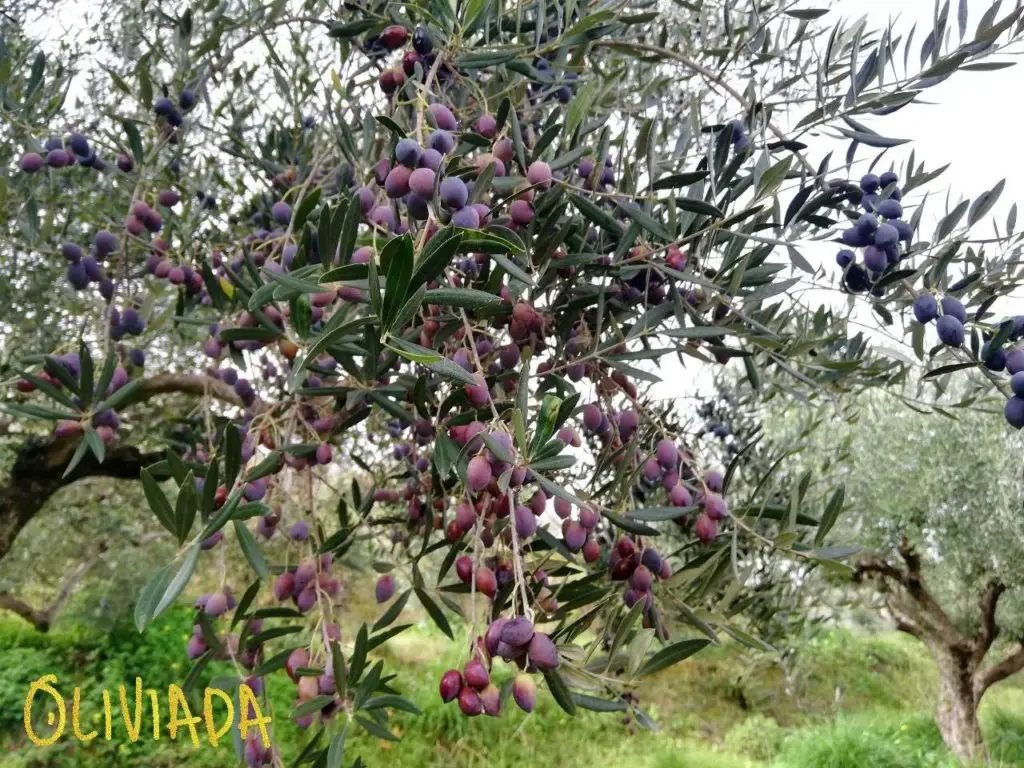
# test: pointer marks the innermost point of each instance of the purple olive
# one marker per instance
(467, 218)
(469, 702)
(517, 632)
(397, 182)
(451, 684)
(281, 212)
(543, 652)
(454, 193)
(490, 697)
(478, 474)
(442, 117)
(421, 182)
(524, 691)
(31, 162)
(526, 522)
(574, 534)
(385, 589)
(539, 173)
(475, 674)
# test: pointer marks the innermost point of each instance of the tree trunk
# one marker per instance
(40, 464)
(38, 473)
(962, 680)
(957, 713)
(38, 470)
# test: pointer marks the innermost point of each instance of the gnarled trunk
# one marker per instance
(957, 711)
(39, 472)
(963, 678)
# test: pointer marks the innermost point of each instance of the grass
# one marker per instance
(848, 700)
(892, 740)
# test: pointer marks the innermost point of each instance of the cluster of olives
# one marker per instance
(310, 581)
(669, 468)
(417, 179)
(879, 232)
(227, 648)
(490, 503)
(169, 114)
(543, 85)
(213, 606)
(391, 39)
(1009, 358)
(639, 567)
(88, 268)
(514, 640)
(313, 676)
(107, 421)
(949, 324)
(62, 153)
(142, 218)
(950, 317)
(306, 586)
(126, 322)
(83, 268)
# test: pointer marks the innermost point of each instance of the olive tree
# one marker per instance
(449, 248)
(933, 512)
(941, 511)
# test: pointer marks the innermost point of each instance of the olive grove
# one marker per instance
(445, 250)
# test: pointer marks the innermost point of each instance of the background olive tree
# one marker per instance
(934, 508)
(248, 166)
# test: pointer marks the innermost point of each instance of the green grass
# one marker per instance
(871, 739)
(895, 740)
(848, 700)
(1004, 734)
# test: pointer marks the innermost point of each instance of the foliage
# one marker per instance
(94, 661)
(885, 739)
(952, 487)
(935, 523)
(98, 511)
(870, 741)
(243, 189)
(758, 736)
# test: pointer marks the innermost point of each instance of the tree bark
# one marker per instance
(42, 618)
(957, 710)
(1011, 664)
(959, 657)
(38, 473)
(39, 466)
